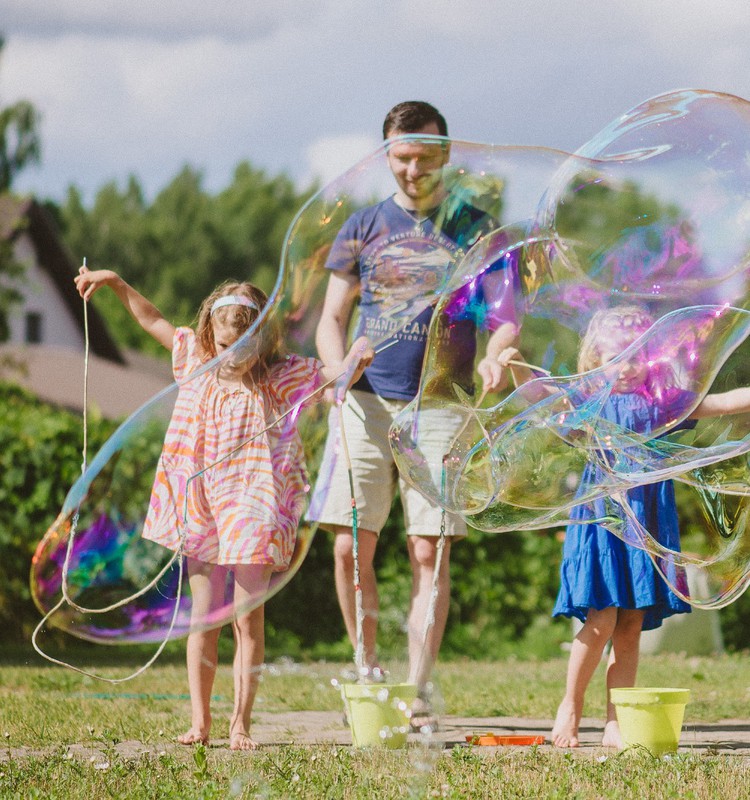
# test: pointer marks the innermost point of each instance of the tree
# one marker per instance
(19, 138)
(177, 248)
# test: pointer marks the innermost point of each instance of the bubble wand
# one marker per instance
(65, 598)
(178, 555)
(359, 614)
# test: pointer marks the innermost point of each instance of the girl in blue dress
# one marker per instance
(611, 586)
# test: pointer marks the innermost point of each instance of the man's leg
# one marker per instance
(343, 552)
(423, 650)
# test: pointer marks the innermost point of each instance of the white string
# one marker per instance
(66, 599)
(177, 556)
(429, 619)
(359, 615)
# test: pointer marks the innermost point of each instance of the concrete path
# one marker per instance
(328, 727)
(306, 727)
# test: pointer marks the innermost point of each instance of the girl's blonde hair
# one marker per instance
(604, 325)
(239, 318)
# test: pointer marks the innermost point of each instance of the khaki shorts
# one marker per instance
(367, 419)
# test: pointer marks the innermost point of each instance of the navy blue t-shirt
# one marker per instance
(402, 262)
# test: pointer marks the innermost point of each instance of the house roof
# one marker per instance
(56, 375)
(25, 215)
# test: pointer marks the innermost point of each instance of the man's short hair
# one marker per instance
(413, 116)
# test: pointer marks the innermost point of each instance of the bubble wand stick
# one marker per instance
(429, 620)
(359, 650)
(359, 614)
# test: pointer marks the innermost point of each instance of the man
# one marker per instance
(386, 257)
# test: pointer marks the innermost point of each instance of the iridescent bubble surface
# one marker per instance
(652, 212)
(122, 588)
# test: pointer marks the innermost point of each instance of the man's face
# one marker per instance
(418, 166)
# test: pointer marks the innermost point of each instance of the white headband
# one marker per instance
(233, 300)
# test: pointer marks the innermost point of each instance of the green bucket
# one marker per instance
(379, 713)
(650, 718)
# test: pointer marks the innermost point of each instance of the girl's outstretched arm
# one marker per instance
(143, 311)
(735, 401)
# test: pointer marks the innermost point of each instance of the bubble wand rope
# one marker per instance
(533, 367)
(359, 610)
(429, 618)
(178, 555)
(359, 614)
(65, 599)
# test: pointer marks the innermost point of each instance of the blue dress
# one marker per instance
(599, 570)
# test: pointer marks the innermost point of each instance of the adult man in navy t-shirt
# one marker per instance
(388, 257)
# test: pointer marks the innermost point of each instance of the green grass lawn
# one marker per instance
(46, 709)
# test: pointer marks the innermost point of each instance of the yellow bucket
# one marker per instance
(379, 713)
(650, 718)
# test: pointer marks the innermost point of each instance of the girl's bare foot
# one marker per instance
(565, 730)
(242, 741)
(193, 736)
(612, 737)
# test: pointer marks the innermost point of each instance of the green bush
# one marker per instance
(503, 585)
(40, 459)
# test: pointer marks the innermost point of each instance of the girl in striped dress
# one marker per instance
(240, 477)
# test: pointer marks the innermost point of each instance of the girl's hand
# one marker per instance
(88, 282)
(493, 374)
(361, 354)
(508, 355)
(512, 360)
(359, 357)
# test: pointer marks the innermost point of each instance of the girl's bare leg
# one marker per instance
(585, 655)
(207, 590)
(251, 583)
(622, 666)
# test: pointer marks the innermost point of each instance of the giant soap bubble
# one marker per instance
(653, 211)
(94, 573)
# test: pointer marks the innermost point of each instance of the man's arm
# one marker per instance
(330, 335)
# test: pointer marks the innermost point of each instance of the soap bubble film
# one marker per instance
(96, 573)
(653, 211)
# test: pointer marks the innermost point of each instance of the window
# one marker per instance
(33, 327)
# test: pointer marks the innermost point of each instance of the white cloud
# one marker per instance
(330, 156)
(300, 87)
(167, 20)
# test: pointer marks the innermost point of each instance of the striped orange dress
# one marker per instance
(246, 506)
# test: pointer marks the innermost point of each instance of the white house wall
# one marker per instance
(41, 296)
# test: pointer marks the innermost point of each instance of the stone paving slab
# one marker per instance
(318, 726)
(328, 727)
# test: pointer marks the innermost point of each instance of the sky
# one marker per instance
(301, 87)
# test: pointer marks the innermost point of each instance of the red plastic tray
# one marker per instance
(491, 740)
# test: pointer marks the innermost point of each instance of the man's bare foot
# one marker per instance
(242, 741)
(612, 737)
(565, 730)
(423, 717)
(193, 736)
